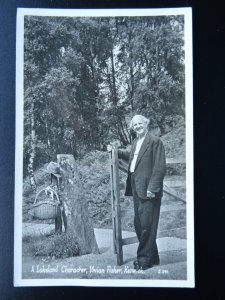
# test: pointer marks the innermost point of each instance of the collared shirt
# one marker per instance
(138, 147)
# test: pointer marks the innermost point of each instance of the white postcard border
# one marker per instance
(18, 281)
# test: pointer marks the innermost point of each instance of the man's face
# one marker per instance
(139, 126)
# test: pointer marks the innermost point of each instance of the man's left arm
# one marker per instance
(159, 167)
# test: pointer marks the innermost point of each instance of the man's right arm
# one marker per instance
(122, 153)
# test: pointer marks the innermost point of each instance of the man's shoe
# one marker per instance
(139, 266)
(136, 264)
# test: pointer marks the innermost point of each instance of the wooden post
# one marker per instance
(116, 212)
(55, 184)
(58, 221)
(113, 204)
(75, 206)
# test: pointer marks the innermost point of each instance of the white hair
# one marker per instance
(142, 118)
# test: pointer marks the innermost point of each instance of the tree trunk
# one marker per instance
(32, 149)
(75, 206)
(114, 91)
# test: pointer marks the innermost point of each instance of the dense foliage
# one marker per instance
(84, 78)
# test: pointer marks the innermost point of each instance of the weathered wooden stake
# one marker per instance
(115, 200)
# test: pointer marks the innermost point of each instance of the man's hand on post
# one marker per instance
(150, 195)
(109, 148)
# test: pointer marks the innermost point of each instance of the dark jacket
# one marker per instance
(150, 167)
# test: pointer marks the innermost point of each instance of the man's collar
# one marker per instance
(143, 137)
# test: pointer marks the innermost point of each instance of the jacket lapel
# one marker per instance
(143, 149)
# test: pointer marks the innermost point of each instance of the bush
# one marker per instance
(176, 169)
(95, 176)
(174, 142)
(42, 178)
(57, 246)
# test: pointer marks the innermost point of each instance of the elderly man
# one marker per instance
(146, 170)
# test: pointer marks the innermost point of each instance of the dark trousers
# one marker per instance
(146, 219)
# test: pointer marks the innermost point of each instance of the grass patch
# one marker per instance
(54, 246)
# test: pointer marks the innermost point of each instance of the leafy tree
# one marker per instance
(84, 79)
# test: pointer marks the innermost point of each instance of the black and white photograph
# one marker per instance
(104, 148)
